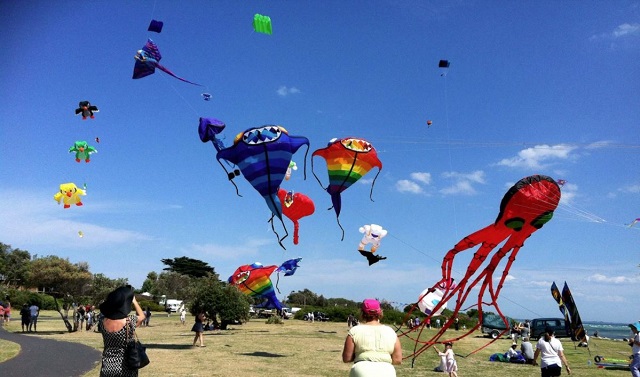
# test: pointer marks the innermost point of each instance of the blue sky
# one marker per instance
(534, 87)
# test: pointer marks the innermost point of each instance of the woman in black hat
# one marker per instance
(116, 325)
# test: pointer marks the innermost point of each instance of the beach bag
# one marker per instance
(135, 354)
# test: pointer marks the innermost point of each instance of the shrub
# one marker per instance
(153, 306)
(274, 320)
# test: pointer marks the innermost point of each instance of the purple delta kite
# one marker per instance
(148, 59)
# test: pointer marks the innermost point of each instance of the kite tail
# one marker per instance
(337, 205)
(296, 227)
(304, 169)
(278, 281)
(341, 228)
(374, 182)
(273, 228)
(231, 176)
(312, 172)
(161, 67)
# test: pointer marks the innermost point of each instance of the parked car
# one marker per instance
(266, 313)
(493, 325)
(317, 316)
(558, 325)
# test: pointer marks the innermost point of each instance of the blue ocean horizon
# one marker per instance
(609, 330)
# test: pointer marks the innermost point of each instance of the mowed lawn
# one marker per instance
(298, 348)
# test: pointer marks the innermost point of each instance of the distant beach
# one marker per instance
(608, 330)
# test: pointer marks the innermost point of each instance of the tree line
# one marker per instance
(60, 284)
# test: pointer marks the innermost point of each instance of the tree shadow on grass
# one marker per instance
(262, 354)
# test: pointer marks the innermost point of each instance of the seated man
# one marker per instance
(527, 350)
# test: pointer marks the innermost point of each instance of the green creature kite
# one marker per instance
(83, 151)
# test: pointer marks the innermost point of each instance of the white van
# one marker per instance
(173, 305)
(286, 313)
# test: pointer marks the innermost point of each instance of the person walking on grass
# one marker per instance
(552, 355)
(7, 312)
(183, 316)
(147, 318)
(198, 328)
(635, 347)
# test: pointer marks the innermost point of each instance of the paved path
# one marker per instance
(47, 357)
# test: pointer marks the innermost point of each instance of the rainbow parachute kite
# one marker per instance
(348, 160)
(254, 280)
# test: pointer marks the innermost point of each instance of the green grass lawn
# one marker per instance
(8, 350)
(299, 348)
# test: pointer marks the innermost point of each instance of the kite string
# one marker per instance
(180, 95)
(153, 11)
(446, 114)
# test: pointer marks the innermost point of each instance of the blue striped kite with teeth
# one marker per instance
(263, 155)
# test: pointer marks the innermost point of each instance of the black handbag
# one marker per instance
(135, 354)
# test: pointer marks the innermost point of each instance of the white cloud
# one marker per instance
(600, 278)
(539, 156)
(463, 182)
(569, 192)
(284, 91)
(405, 185)
(365, 181)
(540, 283)
(476, 176)
(626, 29)
(421, 177)
(413, 186)
(633, 189)
(462, 187)
(599, 144)
(36, 219)
(622, 30)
